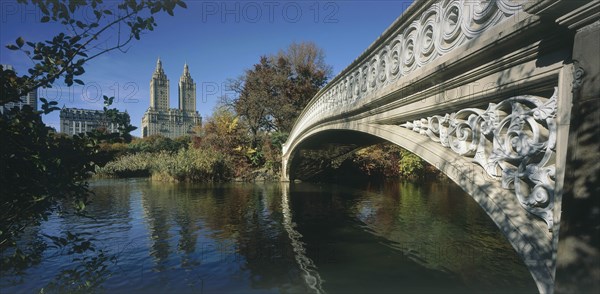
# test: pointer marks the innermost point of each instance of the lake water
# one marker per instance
(292, 238)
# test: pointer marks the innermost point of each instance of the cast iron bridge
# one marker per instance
(486, 91)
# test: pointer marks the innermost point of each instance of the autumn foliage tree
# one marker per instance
(272, 94)
(308, 73)
(388, 160)
(256, 92)
(223, 132)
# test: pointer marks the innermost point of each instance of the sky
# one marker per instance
(219, 40)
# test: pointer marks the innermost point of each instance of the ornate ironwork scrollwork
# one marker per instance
(578, 75)
(514, 141)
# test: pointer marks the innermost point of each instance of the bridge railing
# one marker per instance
(424, 32)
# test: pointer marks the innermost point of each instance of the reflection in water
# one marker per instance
(311, 275)
(429, 237)
(288, 238)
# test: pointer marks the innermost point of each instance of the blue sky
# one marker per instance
(217, 39)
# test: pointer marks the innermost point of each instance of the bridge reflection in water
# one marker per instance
(309, 270)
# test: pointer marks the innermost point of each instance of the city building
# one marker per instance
(30, 99)
(159, 118)
(76, 121)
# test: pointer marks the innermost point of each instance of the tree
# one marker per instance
(159, 143)
(260, 91)
(309, 73)
(41, 171)
(223, 133)
(272, 94)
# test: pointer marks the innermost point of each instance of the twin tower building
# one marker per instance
(171, 122)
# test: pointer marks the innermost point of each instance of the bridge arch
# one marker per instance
(527, 234)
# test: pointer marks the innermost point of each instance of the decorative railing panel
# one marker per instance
(411, 43)
(514, 141)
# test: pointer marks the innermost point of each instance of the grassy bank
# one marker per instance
(184, 165)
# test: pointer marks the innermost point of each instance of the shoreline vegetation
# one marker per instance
(185, 165)
(191, 159)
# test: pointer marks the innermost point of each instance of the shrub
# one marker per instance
(410, 165)
(131, 165)
(389, 160)
(205, 165)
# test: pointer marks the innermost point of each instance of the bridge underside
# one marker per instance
(326, 150)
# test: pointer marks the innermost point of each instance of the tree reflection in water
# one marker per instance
(293, 238)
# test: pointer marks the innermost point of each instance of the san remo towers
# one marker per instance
(171, 122)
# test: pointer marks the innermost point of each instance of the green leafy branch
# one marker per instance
(64, 55)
